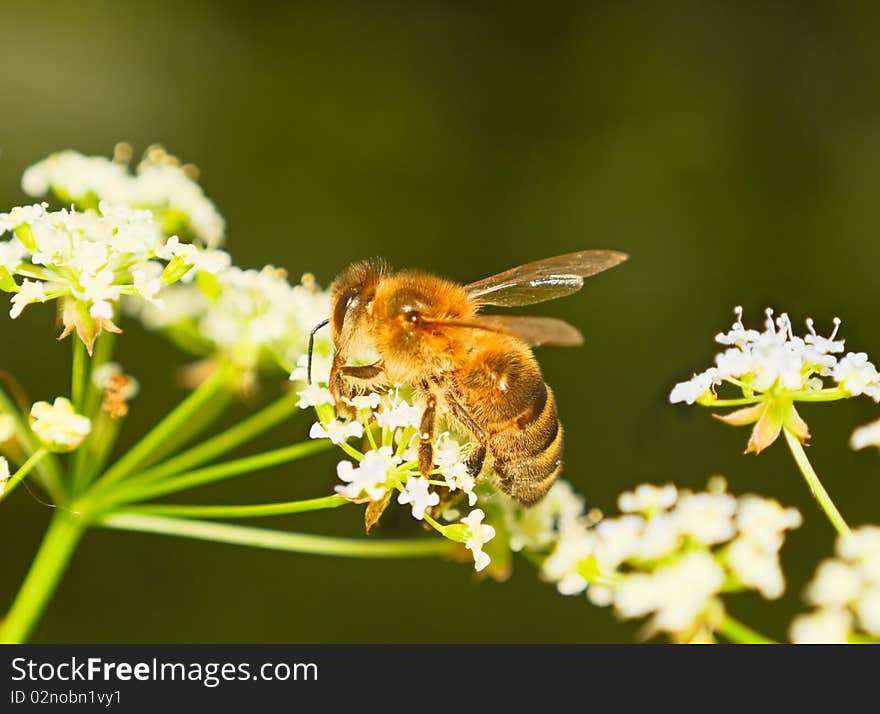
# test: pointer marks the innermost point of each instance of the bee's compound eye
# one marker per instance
(346, 301)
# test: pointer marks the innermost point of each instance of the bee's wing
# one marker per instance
(544, 279)
(531, 330)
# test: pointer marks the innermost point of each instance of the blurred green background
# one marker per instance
(732, 149)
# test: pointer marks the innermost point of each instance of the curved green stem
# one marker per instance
(23, 471)
(734, 631)
(142, 491)
(812, 479)
(39, 585)
(167, 428)
(258, 510)
(224, 442)
(280, 540)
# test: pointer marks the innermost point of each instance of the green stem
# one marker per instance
(141, 492)
(23, 471)
(812, 479)
(39, 585)
(732, 402)
(224, 442)
(83, 464)
(249, 511)
(206, 416)
(167, 428)
(103, 352)
(80, 375)
(280, 540)
(832, 394)
(734, 631)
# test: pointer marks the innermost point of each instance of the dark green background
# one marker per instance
(733, 150)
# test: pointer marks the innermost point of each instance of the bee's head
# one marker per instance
(351, 295)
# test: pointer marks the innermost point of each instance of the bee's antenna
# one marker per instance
(312, 345)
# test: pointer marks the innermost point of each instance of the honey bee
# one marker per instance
(476, 369)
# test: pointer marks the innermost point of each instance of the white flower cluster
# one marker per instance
(160, 184)
(89, 260)
(846, 593)
(388, 424)
(669, 555)
(256, 318)
(777, 359)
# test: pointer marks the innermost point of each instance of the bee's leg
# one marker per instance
(426, 436)
(461, 414)
(474, 463)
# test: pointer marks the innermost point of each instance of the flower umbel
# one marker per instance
(670, 555)
(772, 370)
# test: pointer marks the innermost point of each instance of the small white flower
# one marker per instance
(706, 517)
(835, 584)
(825, 626)
(864, 436)
(660, 536)
(369, 477)
(321, 365)
(399, 414)
(562, 565)
(479, 535)
(415, 491)
(313, 395)
(756, 567)
(868, 611)
(58, 426)
(857, 375)
(364, 401)
(619, 539)
(647, 498)
(765, 521)
(449, 458)
(694, 388)
(555, 515)
(677, 593)
(29, 291)
(337, 431)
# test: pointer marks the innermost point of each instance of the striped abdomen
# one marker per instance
(528, 453)
(504, 392)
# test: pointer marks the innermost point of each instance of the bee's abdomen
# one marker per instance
(528, 450)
